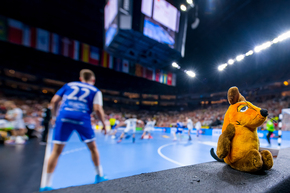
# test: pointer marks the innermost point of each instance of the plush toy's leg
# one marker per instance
(267, 159)
(224, 142)
(252, 162)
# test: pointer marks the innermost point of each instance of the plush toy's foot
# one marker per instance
(267, 159)
(252, 162)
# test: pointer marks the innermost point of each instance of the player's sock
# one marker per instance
(99, 170)
(189, 137)
(133, 139)
(48, 181)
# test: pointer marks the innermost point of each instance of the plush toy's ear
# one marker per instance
(235, 96)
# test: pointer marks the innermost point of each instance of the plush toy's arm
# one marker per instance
(224, 142)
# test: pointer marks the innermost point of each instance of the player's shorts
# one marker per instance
(127, 129)
(148, 129)
(189, 128)
(178, 130)
(113, 126)
(64, 128)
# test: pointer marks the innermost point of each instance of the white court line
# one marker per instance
(168, 159)
(46, 157)
(73, 150)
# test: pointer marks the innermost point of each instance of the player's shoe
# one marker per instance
(100, 179)
(189, 138)
(142, 137)
(175, 139)
(45, 189)
(9, 142)
(150, 137)
(119, 141)
(113, 137)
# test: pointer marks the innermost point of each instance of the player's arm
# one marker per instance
(56, 99)
(54, 102)
(98, 107)
(120, 125)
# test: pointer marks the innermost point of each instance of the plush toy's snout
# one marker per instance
(264, 112)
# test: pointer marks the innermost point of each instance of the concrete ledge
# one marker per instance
(206, 177)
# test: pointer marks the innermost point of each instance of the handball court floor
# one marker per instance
(126, 159)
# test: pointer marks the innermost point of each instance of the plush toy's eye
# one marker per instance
(244, 109)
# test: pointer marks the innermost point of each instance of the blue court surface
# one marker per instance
(126, 159)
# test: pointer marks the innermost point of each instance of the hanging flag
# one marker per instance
(153, 74)
(169, 79)
(105, 59)
(173, 79)
(149, 73)
(85, 50)
(144, 69)
(94, 55)
(157, 75)
(55, 44)
(125, 67)
(42, 42)
(111, 62)
(65, 45)
(3, 28)
(161, 76)
(118, 64)
(164, 78)
(15, 31)
(132, 68)
(29, 36)
(139, 70)
(74, 49)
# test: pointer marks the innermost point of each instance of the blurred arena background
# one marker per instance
(164, 60)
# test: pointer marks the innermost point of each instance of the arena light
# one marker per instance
(249, 53)
(183, 7)
(222, 67)
(190, 73)
(240, 57)
(282, 37)
(190, 2)
(286, 83)
(263, 46)
(175, 65)
(231, 62)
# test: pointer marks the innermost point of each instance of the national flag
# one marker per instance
(94, 57)
(3, 28)
(65, 45)
(74, 49)
(149, 73)
(42, 42)
(111, 62)
(157, 75)
(125, 66)
(169, 79)
(173, 79)
(118, 64)
(85, 51)
(29, 36)
(139, 70)
(161, 76)
(164, 78)
(55, 44)
(15, 31)
(132, 68)
(105, 59)
(153, 74)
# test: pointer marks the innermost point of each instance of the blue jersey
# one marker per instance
(77, 100)
(179, 125)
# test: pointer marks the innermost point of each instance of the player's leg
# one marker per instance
(189, 136)
(96, 159)
(174, 135)
(62, 132)
(121, 137)
(133, 135)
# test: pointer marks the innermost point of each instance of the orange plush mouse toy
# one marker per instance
(238, 145)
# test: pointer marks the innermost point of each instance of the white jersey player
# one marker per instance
(148, 128)
(130, 125)
(189, 124)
